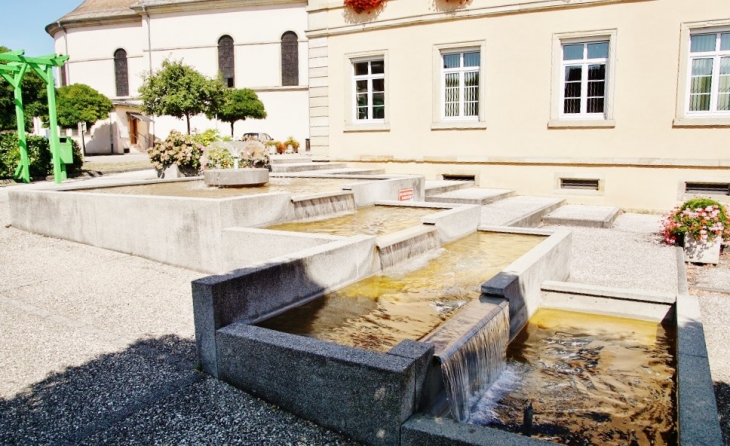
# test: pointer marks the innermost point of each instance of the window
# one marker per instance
(709, 74)
(64, 75)
(460, 85)
(289, 59)
(584, 79)
(121, 75)
(226, 62)
(369, 89)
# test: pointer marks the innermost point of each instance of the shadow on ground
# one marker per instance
(722, 395)
(148, 393)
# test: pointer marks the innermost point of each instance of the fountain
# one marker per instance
(254, 156)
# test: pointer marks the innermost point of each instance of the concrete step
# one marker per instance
(583, 215)
(522, 211)
(471, 195)
(290, 159)
(436, 187)
(302, 167)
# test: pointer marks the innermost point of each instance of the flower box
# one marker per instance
(702, 251)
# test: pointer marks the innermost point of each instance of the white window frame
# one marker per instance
(559, 119)
(715, 55)
(584, 63)
(370, 77)
(461, 70)
(352, 123)
(683, 118)
(439, 120)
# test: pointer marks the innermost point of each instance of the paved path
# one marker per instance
(98, 346)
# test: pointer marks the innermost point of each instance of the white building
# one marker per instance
(253, 44)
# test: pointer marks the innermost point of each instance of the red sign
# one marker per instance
(405, 195)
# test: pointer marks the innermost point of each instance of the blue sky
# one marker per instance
(24, 23)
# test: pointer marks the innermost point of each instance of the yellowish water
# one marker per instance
(409, 300)
(198, 189)
(374, 220)
(592, 380)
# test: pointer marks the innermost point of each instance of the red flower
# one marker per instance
(360, 6)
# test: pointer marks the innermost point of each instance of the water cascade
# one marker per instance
(395, 253)
(319, 206)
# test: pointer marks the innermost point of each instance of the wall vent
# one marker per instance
(456, 177)
(579, 183)
(707, 188)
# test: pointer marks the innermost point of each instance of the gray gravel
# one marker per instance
(503, 211)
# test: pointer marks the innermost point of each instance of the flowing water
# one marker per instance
(373, 220)
(409, 300)
(198, 189)
(592, 380)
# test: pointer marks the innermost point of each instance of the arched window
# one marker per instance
(289, 59)
(226, 62)
(121, 74)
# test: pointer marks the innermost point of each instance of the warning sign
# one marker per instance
(405, 195)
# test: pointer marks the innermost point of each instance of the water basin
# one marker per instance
(409, 300)
(591, 379)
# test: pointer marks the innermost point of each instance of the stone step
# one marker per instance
(583, 215)
(302, 167)
(290, 159)
(471, 195)
(521, 211)
(436, 187)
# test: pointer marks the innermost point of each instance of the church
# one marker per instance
(615, 102)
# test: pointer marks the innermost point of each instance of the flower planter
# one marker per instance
(235, 177)
(702, 251)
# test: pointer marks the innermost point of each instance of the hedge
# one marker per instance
(40, 156)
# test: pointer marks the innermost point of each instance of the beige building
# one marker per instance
(611, 102)
(253, 44)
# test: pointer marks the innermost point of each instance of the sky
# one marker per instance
(24, 23)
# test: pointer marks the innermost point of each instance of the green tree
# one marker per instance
(81, 103)
(35, 102)
(239, 105)
(179, 90)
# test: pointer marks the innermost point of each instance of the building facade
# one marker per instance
(611, 102)
(259, 45)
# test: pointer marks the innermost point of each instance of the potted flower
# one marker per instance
(236, 164)
(699, 225)
(177, 155)
(293, 144)
(360, 6)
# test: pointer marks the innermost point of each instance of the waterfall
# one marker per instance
(472, 365)
(401, 250)
(323, 205)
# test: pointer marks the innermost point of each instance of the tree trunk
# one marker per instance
(187, 117)
(232, 122)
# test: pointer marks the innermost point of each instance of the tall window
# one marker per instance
(460, 80)
(226, 61)
(369, 80)
(709, 85)
(121, 73)
(584, 79)
(63, 75)
(289, 59)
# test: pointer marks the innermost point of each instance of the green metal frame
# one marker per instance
(13, 72)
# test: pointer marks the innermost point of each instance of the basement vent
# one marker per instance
(578, 184)
(707, 188)
(455, 177)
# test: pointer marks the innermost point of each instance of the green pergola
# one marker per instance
(13, 71)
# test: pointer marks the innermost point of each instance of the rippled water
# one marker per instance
(592, 380)
(373, 220)
(409, 300)
(198, 189)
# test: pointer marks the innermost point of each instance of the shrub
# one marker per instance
(177, 149)
(293, 143)
(218, 157)
(207, 138)
(39, 154)
(703, 218)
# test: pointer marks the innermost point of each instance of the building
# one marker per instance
(252, 44)
(614, 102)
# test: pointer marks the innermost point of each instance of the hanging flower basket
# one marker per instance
(360, 6)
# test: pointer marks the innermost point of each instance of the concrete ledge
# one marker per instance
(241, 247)
(366, 194)
(520, 282)
(535, 217)
(613, 293)
(514, 230)
(472, 195)
(436, 187)
(698, 422)
(363, 394)
(455, 223)
(425, 430)
(589, 219)
(301, 167)
(257, 292)
(235, 177)
(647, 311)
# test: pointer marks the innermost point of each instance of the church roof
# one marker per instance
(96, 9)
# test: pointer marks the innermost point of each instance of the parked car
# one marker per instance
(263, 137)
